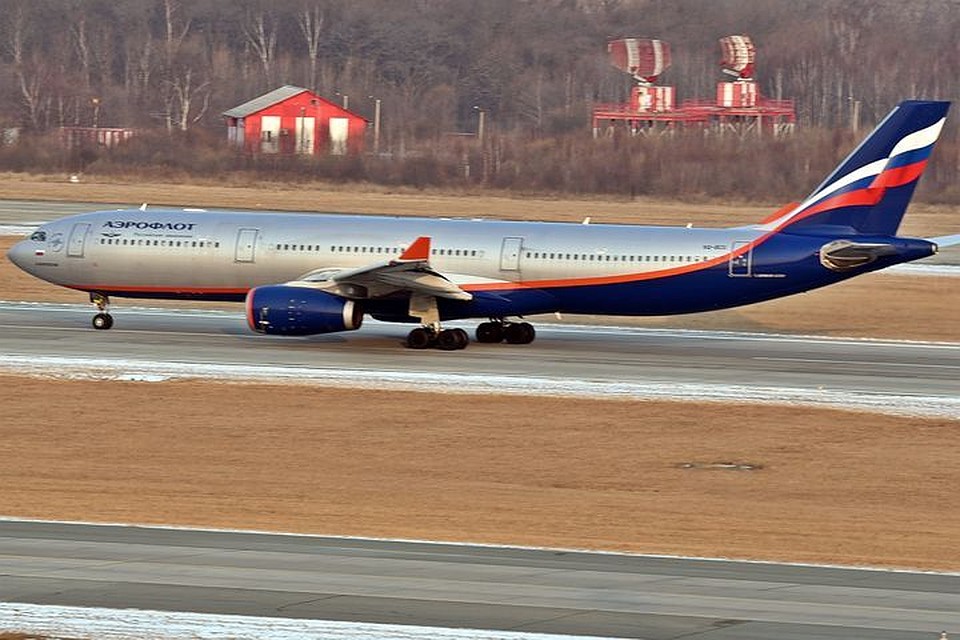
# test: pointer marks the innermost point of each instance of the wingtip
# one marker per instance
(419, 250)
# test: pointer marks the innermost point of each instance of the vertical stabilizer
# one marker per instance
(870, 190)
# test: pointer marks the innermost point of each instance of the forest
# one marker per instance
(169, 68)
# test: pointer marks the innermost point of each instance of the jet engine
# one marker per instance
(300, 311)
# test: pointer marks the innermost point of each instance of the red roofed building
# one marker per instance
(294, 120)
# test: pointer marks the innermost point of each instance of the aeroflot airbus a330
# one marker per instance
(303, 274)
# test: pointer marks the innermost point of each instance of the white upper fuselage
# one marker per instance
(193, 250)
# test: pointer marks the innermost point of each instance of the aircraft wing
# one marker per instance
(410, 272)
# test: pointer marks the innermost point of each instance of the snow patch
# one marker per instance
(128, 369)
(98, 623)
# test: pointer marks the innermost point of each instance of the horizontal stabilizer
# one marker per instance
(946, 241)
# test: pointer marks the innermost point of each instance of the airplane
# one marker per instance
(304, 274)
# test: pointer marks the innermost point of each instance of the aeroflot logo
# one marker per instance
(132, 224)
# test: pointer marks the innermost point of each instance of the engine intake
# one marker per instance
(300, 311)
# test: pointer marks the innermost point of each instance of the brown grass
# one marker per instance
(834, 486)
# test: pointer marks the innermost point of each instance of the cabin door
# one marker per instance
(77, 238)
(510, 254)
(246, 245)
(741, 260)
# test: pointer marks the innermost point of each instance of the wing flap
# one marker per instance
(410, 272)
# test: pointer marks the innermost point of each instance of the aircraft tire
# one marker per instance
(452, 339)
(489, 332)
(520, 333)
(463, 337)
(102, 321)
(420, 339)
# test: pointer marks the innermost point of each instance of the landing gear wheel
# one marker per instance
(420, 339)
(102, 321)
(519, 333)
(490, 332)
(452, 339)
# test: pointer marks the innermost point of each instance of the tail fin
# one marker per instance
(869, 192)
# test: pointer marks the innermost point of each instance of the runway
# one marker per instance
(465, 586)
(906, 377)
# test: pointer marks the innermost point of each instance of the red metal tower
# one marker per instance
(738, 106)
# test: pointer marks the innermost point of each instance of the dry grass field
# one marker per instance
(828, 486)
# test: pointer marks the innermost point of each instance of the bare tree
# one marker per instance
(260, 30)
(176, 30)
(28, 68)
(310, 20)
(185, 93)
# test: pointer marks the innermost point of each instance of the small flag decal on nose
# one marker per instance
(39, 252)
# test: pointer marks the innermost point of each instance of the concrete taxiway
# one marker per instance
(465, 586)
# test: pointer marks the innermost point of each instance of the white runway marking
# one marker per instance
(858, 362)
(98, 623)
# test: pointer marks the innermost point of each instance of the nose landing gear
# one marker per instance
(103, 320)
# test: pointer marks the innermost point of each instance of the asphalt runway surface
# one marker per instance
(446, 585)
(564, 360)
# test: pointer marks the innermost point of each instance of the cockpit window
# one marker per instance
(39, 236)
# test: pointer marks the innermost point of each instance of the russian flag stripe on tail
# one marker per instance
(869, 191)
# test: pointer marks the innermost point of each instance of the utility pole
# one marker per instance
(376, 127)
(480, 123)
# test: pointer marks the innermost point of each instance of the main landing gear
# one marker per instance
(487, 332)
(503, 331)
(103, 320)
(443, 339)
(430, 334)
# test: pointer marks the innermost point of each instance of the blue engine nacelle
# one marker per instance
(300, 311)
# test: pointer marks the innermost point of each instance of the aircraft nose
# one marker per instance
(19, 253)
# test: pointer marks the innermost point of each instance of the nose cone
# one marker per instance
(19, 253)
